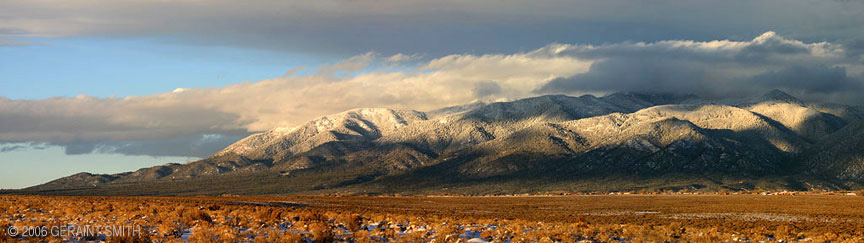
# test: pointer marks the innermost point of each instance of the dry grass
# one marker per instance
(635, 218)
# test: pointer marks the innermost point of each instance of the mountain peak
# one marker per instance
(778, 95)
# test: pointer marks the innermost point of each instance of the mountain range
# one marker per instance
(618, 142)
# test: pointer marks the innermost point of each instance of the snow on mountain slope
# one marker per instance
(357, 124)
(844, 112)
(669, 137)
(563, 108)
(810, 123)
(570, 136)
(805, 121)
(732, 119)
(448, 132)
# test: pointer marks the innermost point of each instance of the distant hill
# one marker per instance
(623, 141)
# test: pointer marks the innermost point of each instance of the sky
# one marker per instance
(110, 86)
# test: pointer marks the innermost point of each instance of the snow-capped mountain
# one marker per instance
(623, 141)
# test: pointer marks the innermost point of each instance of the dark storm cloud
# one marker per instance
(73, 148)
(811, 79)
(719, 69)
(637, 74)
(430, 27)
(855, 49)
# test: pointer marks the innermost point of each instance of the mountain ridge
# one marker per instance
(552, 141)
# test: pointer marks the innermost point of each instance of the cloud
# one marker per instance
(811, 79)
(348, 66)
(714, 69)
(432, 28)
(9, 147)
(12, 42)
(200, 146)
(485, 89)
(83, 118)
(199, 121)
(400, 58)
(176, 123)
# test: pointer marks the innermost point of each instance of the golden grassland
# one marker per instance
(574, 218)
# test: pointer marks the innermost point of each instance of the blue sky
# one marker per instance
(30, 166)
(90, 82)
(128, 67)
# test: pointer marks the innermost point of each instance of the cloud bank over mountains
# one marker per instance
(718, 69)
(198, 121)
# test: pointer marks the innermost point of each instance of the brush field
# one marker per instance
(569, 218)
